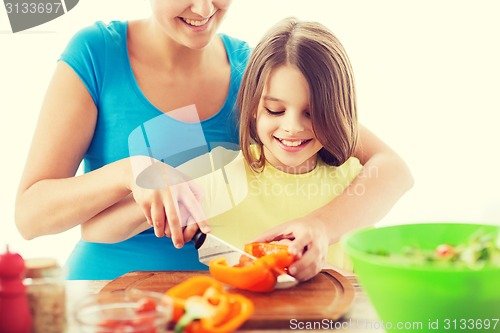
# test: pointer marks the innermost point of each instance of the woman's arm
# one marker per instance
(50, 198)
(382, 182)
(116, 223)
(125, 218)
(384, 179)
(136, 212)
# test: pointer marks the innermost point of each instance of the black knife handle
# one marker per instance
(199, 238)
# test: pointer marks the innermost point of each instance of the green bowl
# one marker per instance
(425, 297)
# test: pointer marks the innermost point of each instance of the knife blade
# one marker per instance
(210, 247)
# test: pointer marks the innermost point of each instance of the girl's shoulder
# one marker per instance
(348, 170)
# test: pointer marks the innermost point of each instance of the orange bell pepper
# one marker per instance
(259, 275)
(238, 310)
(261, 249)
(281, 261)
(194, 286)
(255, 277)
(202, 306)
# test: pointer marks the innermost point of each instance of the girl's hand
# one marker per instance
(170, 201)
(307, 239)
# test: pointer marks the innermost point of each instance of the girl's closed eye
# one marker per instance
(273, 113)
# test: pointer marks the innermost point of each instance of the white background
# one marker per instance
(428, 80)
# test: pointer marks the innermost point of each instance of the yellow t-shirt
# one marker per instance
(241, 204)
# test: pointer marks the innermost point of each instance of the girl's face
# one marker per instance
(283, 121)
(191, 23)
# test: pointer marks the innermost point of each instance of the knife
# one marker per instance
(210, 247)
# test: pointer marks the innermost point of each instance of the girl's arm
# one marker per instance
(384, 179)
(50, 198)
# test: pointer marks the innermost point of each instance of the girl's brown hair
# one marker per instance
(321, 58)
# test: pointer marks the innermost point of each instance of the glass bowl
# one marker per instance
(131, 311)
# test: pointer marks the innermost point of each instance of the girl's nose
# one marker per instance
(292, 124)
(204, 8)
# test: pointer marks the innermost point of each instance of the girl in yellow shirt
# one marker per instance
(298, 132)
(298, 137)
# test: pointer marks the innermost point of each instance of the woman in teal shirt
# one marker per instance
(113, 80)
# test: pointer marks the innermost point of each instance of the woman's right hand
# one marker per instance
(170, 201)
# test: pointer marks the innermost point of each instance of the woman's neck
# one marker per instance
(168, 52)
(172, 76)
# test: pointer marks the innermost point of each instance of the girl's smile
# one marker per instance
(293, 145)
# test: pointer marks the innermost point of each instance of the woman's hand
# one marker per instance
(170, 201)
(307, 240)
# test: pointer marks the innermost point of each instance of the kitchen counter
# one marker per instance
(360, 318)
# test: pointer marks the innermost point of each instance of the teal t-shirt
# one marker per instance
(128, 124)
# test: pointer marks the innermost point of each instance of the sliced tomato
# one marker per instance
(145, 305)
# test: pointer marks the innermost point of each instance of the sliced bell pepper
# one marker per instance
(239, 308)
(281, 260)
(255, 277)
(259, 275)
(261, 249)
(202, 306)
(194, 286)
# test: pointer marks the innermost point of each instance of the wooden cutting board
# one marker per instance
(325, 297)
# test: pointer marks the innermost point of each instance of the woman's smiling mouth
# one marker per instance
(197, 23)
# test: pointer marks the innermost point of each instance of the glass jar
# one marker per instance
(131, 311)
(45, 287)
